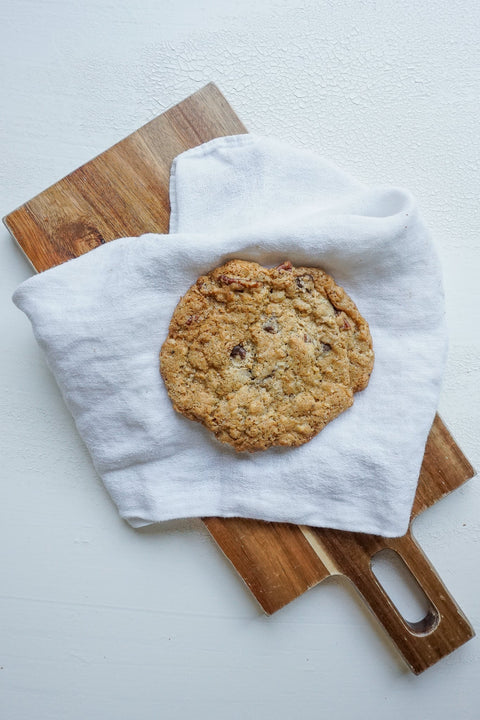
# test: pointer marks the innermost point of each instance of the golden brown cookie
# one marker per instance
(264, 356)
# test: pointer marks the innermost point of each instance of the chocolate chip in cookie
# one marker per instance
(265, 357)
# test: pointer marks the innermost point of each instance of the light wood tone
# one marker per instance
(124, 191)
(261, 551)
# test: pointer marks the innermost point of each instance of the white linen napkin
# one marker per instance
(102, 318)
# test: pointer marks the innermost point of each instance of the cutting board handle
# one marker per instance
(443, 629)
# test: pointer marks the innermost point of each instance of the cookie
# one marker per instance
(265, 357)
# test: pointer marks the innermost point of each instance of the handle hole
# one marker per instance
(401, 586)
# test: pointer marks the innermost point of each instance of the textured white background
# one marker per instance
(98, 620)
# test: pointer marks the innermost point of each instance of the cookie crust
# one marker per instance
(265, 356)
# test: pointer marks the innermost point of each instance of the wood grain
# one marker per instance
(124, 192)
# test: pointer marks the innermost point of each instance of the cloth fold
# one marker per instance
(102, 318)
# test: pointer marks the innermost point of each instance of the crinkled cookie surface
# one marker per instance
(265, 357)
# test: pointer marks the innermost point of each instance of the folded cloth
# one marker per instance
(102, 318)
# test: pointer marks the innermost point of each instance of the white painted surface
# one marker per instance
(98, 620)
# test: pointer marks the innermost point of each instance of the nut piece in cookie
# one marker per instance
(265, 357)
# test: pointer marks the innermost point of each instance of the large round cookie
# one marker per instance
(264, 356)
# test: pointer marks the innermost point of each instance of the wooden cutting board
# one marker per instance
(124, 191)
